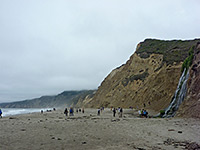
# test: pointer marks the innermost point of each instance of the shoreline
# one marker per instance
(53, 130)
(21, 111)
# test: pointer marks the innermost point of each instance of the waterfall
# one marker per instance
(179, 95)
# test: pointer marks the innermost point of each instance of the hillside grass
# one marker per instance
(172, 51)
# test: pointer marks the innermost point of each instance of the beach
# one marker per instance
(53, 130)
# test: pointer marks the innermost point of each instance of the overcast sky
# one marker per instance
(49, 46)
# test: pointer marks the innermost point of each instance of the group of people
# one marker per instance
(143, 113)
(79, 110)
(48, 110)
(99, 111)
(71, 111)
(114, 110)
(119, 110)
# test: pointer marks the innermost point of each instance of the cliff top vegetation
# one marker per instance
(172, 51)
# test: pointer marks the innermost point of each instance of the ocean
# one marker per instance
(18, 111)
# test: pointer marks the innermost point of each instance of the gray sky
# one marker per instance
(48, 46)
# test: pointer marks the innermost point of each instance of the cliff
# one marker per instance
(191, 105)
(66, 98)
(148, 79)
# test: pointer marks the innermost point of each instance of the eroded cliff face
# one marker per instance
(140, 81)
(191, 105)
(149, 77)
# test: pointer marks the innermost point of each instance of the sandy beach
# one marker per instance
(54, 131)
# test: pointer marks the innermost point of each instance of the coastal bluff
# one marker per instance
(148, 79)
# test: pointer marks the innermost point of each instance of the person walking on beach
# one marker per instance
(121, 111)
(114, 112)
(118, 110)
(140, 113)
(145, 113)
(0, 113)
(66, 112)
(98, 112)
(71, 111)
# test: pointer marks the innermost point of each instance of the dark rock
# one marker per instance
(193, 146)
(12, 118)
(169, 142)
(180, 132)
(84, 142)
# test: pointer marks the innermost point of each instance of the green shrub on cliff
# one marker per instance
(162, 112)
(188, 61)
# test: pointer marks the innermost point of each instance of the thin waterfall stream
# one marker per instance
(179, 95)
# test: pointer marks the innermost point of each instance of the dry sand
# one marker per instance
(54, 131)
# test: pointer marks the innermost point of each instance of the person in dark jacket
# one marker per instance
(71, 111)
(121, 111)
(66, 112)
(114, 112)
(0, 113)
(98, 112)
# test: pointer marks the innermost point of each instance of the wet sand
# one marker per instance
(54, 131)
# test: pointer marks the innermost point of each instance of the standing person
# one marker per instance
(145, 113)
(114, 112)
(101, 109)
(121, 111)
(66, 112)
(144, 105)
(83, 110)
(140, 113)
(118, 110)
(71, 111)
(98, 112)
(111, 108)
(0, 113)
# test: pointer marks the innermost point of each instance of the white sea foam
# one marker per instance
(18, 111)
